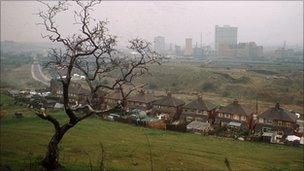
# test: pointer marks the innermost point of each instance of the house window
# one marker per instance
(205, 113)
(261, 120)
(280, 123)
(269, 121)
(266, 129)
(288, 124)
(280, 132)
(243, 118)
(189, 118)
(199, 112)
(236, 117)
(199, 119)
(227, 115)
(219, 114)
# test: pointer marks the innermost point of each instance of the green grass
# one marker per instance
(126, 147)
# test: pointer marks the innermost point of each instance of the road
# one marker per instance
(38, 75)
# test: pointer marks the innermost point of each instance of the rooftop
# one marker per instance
(236, 108)
(278, 113)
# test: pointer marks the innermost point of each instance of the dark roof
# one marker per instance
(235, 108)
(201, 104)
(169, 101)
(142, 97)
(278, 113)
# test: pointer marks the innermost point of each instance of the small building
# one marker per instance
(200, 110)
(114, 98)
(198, 127)
(234, 112)
(270, 137)
(277, 119)
(141, 100)
(169, 105)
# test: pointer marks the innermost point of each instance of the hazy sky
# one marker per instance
(267, 23)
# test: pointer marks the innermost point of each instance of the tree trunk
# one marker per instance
(51, 159)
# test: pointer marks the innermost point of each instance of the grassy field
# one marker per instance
(23, 141)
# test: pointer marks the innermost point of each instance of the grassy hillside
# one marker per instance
(126, 147)
(16, 70)
(286, 87)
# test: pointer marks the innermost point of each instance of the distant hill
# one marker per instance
(24, 47)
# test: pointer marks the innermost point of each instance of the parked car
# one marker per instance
(113, 116)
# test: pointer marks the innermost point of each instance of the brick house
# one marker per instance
(200, 110)
(276, 119)
(141, 100)
(234, 112)
(169, 105)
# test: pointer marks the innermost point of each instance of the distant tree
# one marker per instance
(93, 52)
(208, 86)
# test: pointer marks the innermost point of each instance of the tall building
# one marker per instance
(188, 47)
(225, 40)
(159, 44)
(178, 50)
(197, 52)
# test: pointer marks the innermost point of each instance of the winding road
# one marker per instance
(38, 75)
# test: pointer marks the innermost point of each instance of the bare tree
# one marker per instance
(93, 52)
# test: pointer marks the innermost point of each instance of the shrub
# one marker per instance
(208, 86)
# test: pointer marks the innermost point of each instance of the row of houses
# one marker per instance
(275, 118)
(176, 111)
(199, 115)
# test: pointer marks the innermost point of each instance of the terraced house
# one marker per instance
(277, 119)
(141, 100)
(235, 114)
(169, 105)
(112, 99)
(199, 110)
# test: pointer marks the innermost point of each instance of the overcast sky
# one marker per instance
(267, 23)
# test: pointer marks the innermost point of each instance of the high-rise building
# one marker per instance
(178, 50)
(197, 51)
(225, 40)
(159, 44)
(188, 47)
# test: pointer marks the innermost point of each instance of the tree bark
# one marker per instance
(51, 159)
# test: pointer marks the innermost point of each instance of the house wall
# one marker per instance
(136, 103)
(235, 117)
(276, 122)
(166, 109)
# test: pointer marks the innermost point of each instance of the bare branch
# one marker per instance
(49, 118)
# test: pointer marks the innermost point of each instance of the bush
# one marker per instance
(153, 86)
(208, 86)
